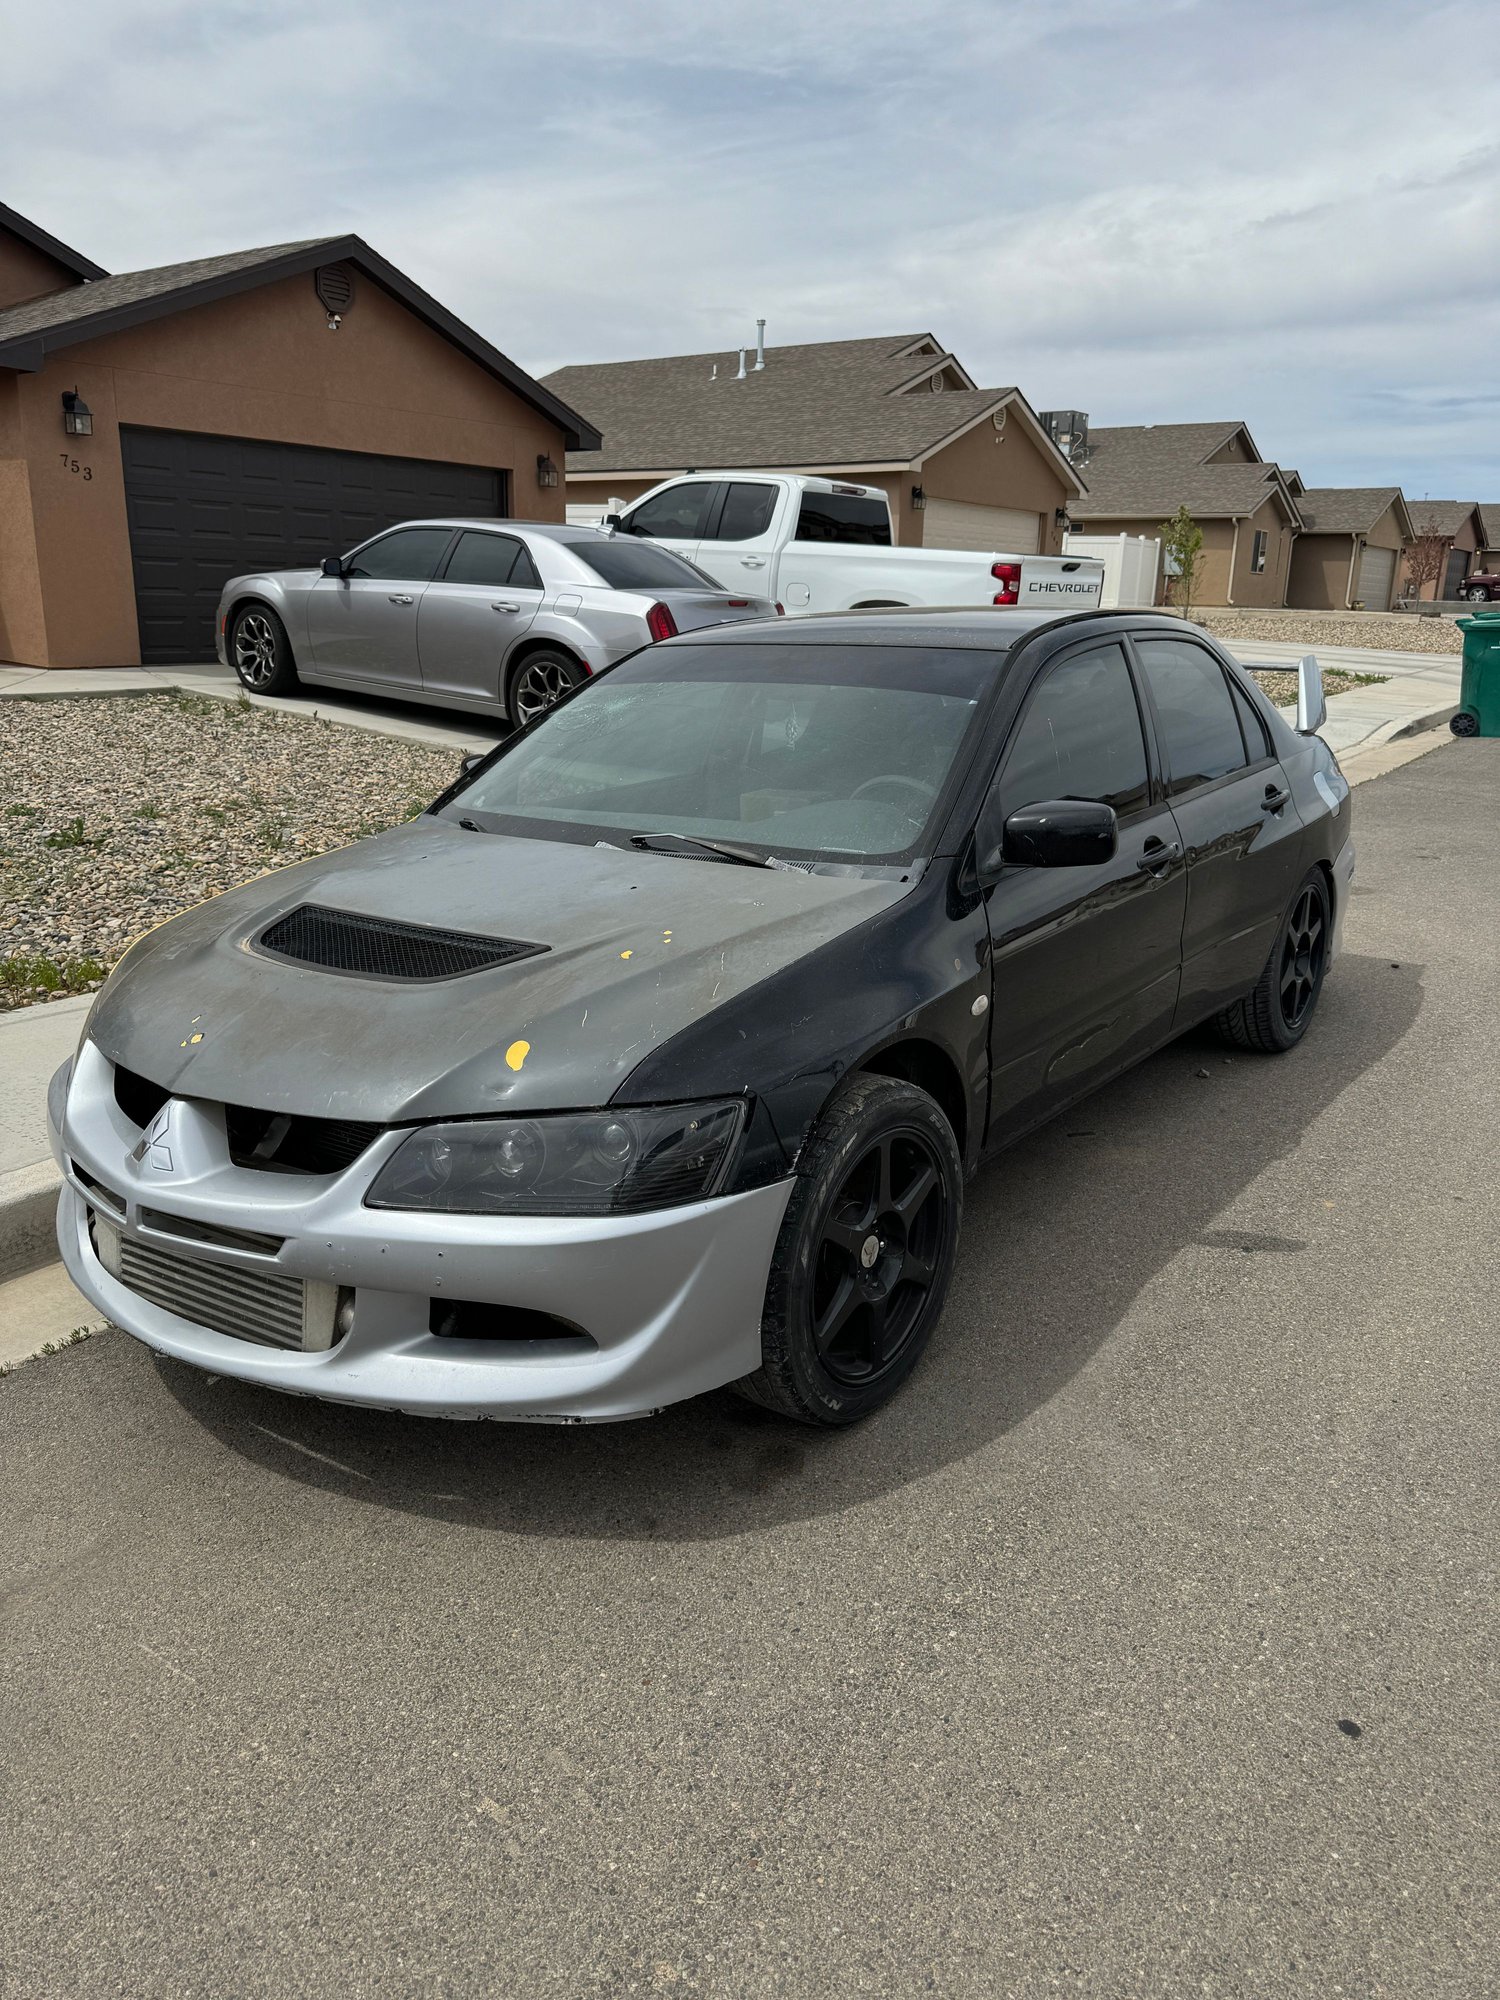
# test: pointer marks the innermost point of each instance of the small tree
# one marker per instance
(1426, 557)
(1182, 549)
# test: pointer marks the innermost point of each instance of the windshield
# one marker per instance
(639, 566)
(830, 753)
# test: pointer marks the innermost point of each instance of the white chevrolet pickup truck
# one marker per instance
(825, 545)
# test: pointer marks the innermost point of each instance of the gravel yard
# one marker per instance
(120, 813)
(1382, 631)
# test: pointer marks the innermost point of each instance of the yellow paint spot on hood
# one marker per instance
(517, 1053)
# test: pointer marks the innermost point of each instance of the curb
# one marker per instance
(1419, 725)
(28, 1218)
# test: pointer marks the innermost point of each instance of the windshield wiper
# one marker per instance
(725, 849)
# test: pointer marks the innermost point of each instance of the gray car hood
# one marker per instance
(639, 946)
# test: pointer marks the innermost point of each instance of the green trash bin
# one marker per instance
(1479, 695)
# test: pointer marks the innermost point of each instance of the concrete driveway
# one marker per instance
(1142, 1648)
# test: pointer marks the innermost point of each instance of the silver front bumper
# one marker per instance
(666, 1305)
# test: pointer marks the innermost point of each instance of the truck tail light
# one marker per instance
(736, 604)
(1008, 576)
(660, 623)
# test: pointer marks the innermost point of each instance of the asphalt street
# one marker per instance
(1144, 1647)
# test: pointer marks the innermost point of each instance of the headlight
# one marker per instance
(574, 1163)
(57, 1094)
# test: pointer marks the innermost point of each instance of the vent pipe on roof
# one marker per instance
(741, 376)
(760, 343)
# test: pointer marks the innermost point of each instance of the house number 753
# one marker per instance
(73, 465)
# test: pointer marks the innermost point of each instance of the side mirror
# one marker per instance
(333, 566)
(1312, 703)
(612, 521)
(1058, 833)
(471, 763)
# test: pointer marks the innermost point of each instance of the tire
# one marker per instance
(1480, 596)
(864, 1257)
(1275, 1016)
(260, 652)
(537, 683)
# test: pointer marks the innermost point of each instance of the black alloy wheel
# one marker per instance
(1275, 1016)
(538, 683)
(260, 651)
(865, 1254)
(876, 1261)
(1304, 951)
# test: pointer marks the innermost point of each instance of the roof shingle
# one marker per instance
(824, 402)
(1140, 470)
(1344, 510)
(130, 288)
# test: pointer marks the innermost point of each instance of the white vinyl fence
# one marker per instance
(1132, 565)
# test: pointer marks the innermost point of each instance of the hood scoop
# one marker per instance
(381, 948)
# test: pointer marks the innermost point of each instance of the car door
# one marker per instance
(738, 548)
(1235, 815)
(1085, 959)
(676, 518)
(362, 626)
(472, 614)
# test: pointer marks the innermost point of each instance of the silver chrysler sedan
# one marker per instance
(467, 614)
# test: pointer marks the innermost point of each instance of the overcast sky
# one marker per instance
(1149, 209)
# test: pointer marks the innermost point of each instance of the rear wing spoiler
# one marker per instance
(1312, 703)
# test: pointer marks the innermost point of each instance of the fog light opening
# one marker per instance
(343, 1318)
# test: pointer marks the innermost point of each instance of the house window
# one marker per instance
(1258, 552)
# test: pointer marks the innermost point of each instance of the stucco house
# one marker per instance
(964, 466)
(1460, 529)
(1140, 474)
(1349, 551)
(162, 429)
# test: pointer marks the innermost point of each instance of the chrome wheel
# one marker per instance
(1304, 951)
(540, 683)
(1480, 596)
(878, 1257)
(255, 649)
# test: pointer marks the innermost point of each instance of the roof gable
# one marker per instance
(72, 261)
(30, 332)
(1136, 471)
(1445, 517)
(1350, 510)
(838, 404)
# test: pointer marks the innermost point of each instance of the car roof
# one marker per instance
(961, 626)
(561, 531)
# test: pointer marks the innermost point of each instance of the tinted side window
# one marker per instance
(524, 576)
(844, 517)
(410, 555)
(1257, 742)
(1080, 737)
(748, 507)
(627, 566)
(1199, 730)
(677, 515)
(486, 559)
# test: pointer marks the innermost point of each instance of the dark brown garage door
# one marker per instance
(202, 509)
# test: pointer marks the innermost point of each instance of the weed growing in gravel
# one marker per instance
(196, 704)
(22, 812)
(215, 813)
(72, 835)
(150, 810)
(49, 975)
(272, 833)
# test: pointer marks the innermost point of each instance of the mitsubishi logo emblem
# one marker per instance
(152, 1145)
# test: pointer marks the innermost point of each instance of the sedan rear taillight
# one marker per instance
(736, 604)
(1008, 576)
(660, 623)
(781, 611)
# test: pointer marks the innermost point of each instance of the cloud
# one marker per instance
(1196, 210)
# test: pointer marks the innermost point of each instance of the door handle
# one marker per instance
(1158, 855)
(1274, 800)
(753, 562)
(398, 599)
(505, 607)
